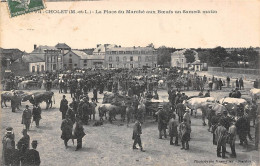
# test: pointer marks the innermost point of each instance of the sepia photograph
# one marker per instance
(122, 83)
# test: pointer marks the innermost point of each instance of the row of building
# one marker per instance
(61, 56)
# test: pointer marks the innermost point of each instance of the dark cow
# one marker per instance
(8, 96)
(111, 109)
(39, 97)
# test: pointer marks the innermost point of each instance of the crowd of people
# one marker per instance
(139, 86)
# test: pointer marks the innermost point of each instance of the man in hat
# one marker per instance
(173, 130)
(66, 128)
(14, 102)
(137, 131)
(242, 129)
(70, 112)
(33, 156)
(180, 110)
(36, 113)
(26, 117)
(184, 133)
(79, 133)
(95, 94)
(221, 138)
(8, 146)
(214, 123)
(63, 106)
(211, 114)
(162, 121)
(187, 117)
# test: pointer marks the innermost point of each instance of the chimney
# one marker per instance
(134, 47)
(119, 46)
(34, 46)
(98, 45)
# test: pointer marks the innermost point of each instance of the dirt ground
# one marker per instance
(111, 144)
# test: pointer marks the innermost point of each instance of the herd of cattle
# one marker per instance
(114, 104)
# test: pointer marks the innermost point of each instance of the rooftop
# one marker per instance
(62, 46)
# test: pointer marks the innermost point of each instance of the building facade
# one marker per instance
(79, 59)
(178, 59)
(52, 57)
(130, 57)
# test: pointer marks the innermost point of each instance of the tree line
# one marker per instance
(215, 57)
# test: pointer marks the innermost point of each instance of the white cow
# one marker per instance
(231, 100)
(201, 103)
(254, 94)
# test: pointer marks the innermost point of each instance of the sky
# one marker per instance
(236, 24)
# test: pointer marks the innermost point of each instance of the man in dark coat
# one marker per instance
(66, 128)
(137, 131)
(180, 110)
(23, 145)
(33, 156)
(36, 113)
(26, 117)
(214, 123)
(63, 106)
(173, 130)
(162, 121)
(70, 112)
(242, 129)
(184, 133)
(95, 94)
(221, 138)
(14, 102)
(79, 133)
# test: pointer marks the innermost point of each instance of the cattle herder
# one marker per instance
(137, 131)
(26, 117)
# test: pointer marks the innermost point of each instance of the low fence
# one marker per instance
(234, 70)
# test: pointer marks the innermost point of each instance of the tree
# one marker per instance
(190, 56)
(217, 56)
(150, 45)
(164, 55)
(204, 56)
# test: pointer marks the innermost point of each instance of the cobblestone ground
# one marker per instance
(111, 144)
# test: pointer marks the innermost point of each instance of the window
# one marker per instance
(54, 66)
(139, 58)
(70, 55)
(33, 69)
(70, 60)
(146, 59)
(124, 59)
(131, 58)
(110, 65)
(131, 65)
(75, 64)
(114, 52)
(85, 61)
(182, 60)
(121, 52)
(85, 64)
(117, 59)
(42, 68)
(110, 58)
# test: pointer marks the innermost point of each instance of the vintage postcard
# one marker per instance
(130, 82)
